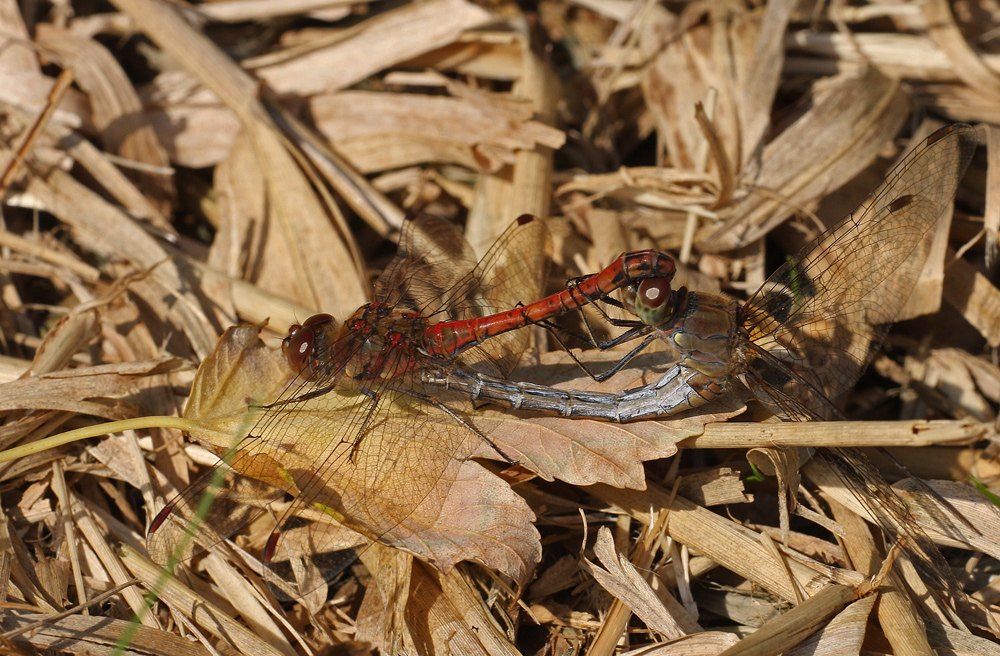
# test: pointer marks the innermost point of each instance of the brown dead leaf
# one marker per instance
(86, 390)
(389, 38)
(480, 132)
(408, 480)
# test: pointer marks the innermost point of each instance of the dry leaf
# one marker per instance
(446, 509)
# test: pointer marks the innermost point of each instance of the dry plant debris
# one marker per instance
(173, 170)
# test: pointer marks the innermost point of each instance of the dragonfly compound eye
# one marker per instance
(300, 345)
(653, 292)
(651, 301)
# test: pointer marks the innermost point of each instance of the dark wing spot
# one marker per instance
(940, 134)
(778, 304)
(525, 219)
(901, 203)
(807, 288)
(769, 372)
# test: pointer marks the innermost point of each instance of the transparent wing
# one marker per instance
(433, 257)
(825, 312)
(436, 274)
(511, 274)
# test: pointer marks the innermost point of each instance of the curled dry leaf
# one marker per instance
(388, 39)
(480, 132)
(623, 580)
(94, 390)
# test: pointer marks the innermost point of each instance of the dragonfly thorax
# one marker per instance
(384, 344)
(377, 341)
(705, 334)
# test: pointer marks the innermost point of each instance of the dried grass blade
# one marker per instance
(532, 191)
(722, 540)
(784, 632)
(763, 75)
(38, 126)
(78, 206)
(991, 215)
(971, 293)
(460, 612)
(239, 592)
(897, 614)
(960, 641)
(236, 11)
(111, 178)
(385, 40)
(193, 606)
(96, 635)
(839, 135)
(303, 217)
(97, 538)
(117, 111)
(967, 64)
(621, 578)
(68, 337)
(371, 205)
(905, 433)
(843, 635)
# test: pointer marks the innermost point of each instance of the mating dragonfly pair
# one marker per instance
(376, 387)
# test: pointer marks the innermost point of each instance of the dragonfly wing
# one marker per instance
(512, 273)
(236, 501)
(433, 258)
(436, 273)
(236, 373)
(852, 467)
(825, 312)
(788, 394)
(399, 470)
(891, 513)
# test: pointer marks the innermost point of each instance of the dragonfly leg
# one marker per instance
(372, 409)
(631, 334)
(635, 329)
(320, 391)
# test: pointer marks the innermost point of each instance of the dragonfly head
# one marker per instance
(650, 299)
(300, 345)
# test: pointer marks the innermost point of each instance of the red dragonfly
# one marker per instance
(341, 438)
(801, 341)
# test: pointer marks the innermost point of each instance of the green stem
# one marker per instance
(96, 431)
